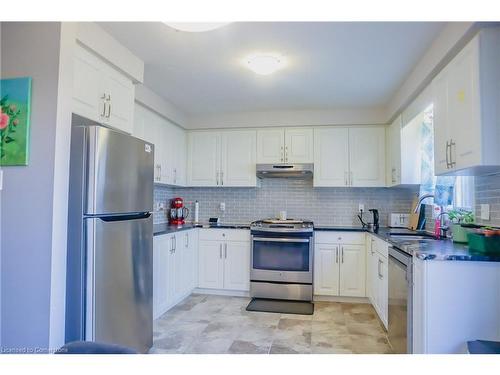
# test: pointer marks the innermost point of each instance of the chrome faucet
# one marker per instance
(419, 203)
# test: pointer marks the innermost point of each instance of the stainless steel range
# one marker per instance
(282, 259)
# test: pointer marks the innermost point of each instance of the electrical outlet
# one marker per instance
(361, 207)
(222, 206)
(485, 212)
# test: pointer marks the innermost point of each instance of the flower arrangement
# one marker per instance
(8, 123)
(15, 109)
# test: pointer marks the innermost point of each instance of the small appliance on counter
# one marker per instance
(373, 226)
(399, 220)
(178, 213)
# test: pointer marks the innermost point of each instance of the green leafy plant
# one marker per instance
(461, 216)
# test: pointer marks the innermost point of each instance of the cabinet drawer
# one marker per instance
(355, 238)
(221, 234)
(380, 246)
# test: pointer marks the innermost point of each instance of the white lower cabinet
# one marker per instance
(174, 276)
(224, 259)
(339, 267)
(224, 265)
(377, 277)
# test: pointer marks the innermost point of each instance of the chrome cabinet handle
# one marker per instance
(109, 110)
(286, 154)
(342, 259)
(175, 175)
(282, 154)
(452, 163)
(380, 276)
(345, 179)
(217, 177)
(220, 250)
(337, 255)
(447, 156)
(222, 178)
(175, 243)
(225, 251)
(187, 240)
(350, 178)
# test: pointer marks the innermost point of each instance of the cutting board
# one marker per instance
(413, 221)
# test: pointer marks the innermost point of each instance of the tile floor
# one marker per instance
(218, 324)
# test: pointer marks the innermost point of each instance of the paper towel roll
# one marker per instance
(196, 212)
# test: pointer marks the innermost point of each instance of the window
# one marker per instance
(463, 195)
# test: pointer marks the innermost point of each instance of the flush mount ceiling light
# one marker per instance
(195, 27)
(264, 63)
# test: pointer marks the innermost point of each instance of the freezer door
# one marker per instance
(120, 172)
(119, 307)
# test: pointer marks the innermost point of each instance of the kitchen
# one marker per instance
(271, 228)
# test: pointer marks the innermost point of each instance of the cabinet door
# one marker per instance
(120, 96)
(270, 146)
(394, 153)
(185, 248)
(238, 158)
(237, 265)
(331, 156)
(180, 155)
(463, 107)
(299, 145)
(210, 265)
(151, 132)
(440, 122)
(383, 289)
(180, 259)
(161, 253)
(168, 150)
(88, 95)
(367, 156)
(352, 271)
(203, 159)
(173, 272)
(326, 270)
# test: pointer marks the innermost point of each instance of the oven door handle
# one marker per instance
(272, 239)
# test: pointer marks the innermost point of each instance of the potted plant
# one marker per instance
(461, 219)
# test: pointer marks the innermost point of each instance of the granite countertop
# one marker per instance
(428, 249)
(166, 228)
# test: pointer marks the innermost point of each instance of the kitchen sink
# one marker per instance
(410, 237)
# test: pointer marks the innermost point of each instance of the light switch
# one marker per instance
(485, 212)
(222, 206)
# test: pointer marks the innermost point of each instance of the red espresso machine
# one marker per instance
(178, 213)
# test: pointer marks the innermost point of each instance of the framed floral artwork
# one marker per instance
(15, 106)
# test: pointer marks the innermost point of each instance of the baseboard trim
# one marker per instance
(340, 299)
(222, 292)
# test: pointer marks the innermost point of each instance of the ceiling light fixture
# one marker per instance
(264, 63)
(196, 27)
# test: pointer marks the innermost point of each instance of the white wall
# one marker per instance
(33, 197)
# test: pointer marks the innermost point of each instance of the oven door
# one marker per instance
(282, 259)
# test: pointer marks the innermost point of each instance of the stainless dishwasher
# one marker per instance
(400, 318)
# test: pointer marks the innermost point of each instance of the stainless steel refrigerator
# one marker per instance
(110, 238)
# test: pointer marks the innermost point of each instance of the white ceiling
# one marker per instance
(330, 64)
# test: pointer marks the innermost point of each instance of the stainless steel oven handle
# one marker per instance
(271, 239)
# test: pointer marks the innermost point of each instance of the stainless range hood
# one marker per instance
(285, 170)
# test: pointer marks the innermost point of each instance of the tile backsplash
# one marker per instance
(487, 191)
(325, 206)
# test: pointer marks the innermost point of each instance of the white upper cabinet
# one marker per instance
(290, 145)
(170, 145)
(238, 158)
(404, 152)
(299, 145)
(331, 156)
(203, 159)
(367, 156)
(270, 146)
(352, 156)
(466, 116)
(225, 158)
(101, 93)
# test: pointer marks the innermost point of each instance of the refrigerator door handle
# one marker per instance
(134, 216)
